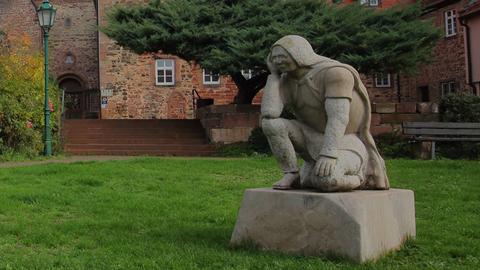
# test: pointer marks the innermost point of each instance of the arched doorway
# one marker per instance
(79, 103)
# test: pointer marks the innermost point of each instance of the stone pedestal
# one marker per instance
(360, 225)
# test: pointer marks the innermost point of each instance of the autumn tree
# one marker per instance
(22, 97)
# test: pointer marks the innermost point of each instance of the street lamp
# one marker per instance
(46, 17)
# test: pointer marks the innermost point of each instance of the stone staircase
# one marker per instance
(136, 137)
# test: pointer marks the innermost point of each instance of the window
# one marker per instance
(165, 72)
(450, 23)
(68, 22)
(448, 88)
(210, 78)
(248, 73)
(382, 80)
(369, 3)
(69, 59)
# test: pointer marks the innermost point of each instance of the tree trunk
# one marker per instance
(247, 89)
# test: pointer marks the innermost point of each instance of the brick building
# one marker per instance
(449, 70)
(73, 47)
(92, 68)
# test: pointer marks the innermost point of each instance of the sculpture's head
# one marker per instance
(282, 60)
(291, 52)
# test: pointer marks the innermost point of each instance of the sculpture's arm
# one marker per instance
(339, 85)
(337, 110)
(272, 103)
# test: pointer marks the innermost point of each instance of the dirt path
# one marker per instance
(70, 159)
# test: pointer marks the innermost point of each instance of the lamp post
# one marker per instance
(46, 17)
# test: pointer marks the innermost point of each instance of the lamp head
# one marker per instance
(46, 15)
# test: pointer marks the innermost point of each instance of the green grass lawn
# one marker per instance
(173, 213)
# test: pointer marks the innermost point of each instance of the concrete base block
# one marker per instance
(359, 225)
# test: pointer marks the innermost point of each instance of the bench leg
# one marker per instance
(433, 150)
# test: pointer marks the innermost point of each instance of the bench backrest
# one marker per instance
(442, 129)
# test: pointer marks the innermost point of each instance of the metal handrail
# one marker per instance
(195, 96)
(62, 118)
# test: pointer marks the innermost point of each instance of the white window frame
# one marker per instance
(450, 23)
(448, 87)
(370, 3)
(208, 77)
(381, 82)
(164, 68)
(247, 73)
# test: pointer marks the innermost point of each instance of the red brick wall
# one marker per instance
(448, 61)
(19, 18)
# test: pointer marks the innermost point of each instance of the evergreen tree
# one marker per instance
(230, 35)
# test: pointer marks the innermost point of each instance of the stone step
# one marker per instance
(132, 123)
(136, 137)
(154, 147)
(134, 140)
(134, 134)
(185, 153)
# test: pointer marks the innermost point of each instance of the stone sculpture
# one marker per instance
(331, 130)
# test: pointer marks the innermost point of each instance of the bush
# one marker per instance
(22, 100)
(458, 150)
(258, 141)
(393, 145)
(460, 108)
(241, 149)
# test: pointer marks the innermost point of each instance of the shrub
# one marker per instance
(241, 149)
(258, 141)
(460, 108)
(22, 99)
(458, 150)
(393, 145)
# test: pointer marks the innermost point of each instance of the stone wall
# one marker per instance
(73, 42)
(233, 123)
(73, 33)
(229, 123)
(131, 78)
(388, 117)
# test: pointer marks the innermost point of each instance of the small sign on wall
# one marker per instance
(104, 102)
(106, 92)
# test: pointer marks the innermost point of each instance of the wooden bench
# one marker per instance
(442, 131)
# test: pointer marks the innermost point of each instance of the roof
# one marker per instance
(471, 9)
(432, 5)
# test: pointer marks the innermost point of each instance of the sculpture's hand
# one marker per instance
(271, 67)
(325, 166)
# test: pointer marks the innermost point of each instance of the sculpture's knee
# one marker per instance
(273, 127)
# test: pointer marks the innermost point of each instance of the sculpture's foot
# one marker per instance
(288, 181)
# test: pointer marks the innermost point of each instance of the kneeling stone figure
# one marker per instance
(331, 131)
